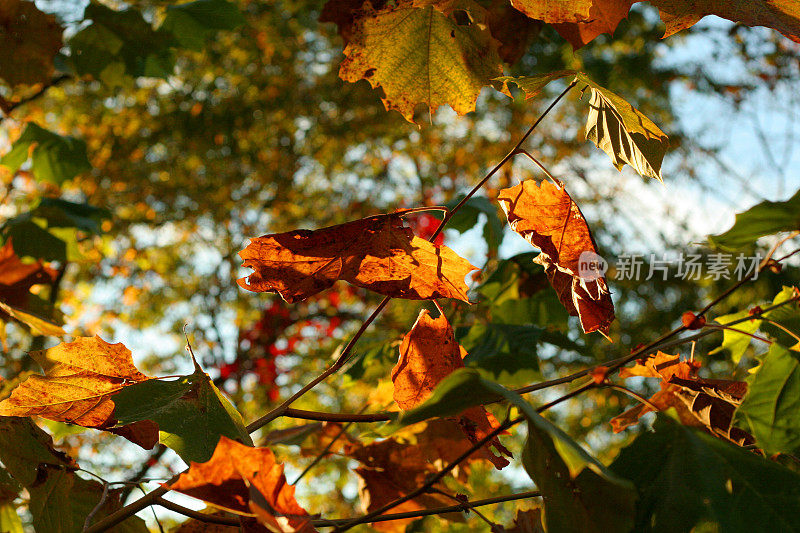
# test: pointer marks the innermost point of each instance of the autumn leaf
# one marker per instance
(30, 40)
(782, 15)
(702, 403)
(548, 218)
(527, 522)
(376, 253)
(392, 468)
(578, 21)
(604, 17)
(16, 300)
(246, 480)
(428, 354)
(423, 51)
(80, 379)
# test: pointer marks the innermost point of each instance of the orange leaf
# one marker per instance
(604, 17)
(782, 15)
(549, 219)
(376, 253)
(17, 278)
(245, 481)
(428, 354)
(80, 379)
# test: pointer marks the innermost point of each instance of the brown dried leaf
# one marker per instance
(704, 403)
(548, 218)
(428, 354)
(782, 15)
(80, 379)
(245, 480)
(29, 40)
(529, 521)
(376, 253)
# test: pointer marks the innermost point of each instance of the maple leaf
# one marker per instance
(604, 17)
(35, 39)
(392, 468)
(428, 354)
(548, 218)
(782, 15)
(423, 51)
(245, 480)
(80, 379)
(376, 253)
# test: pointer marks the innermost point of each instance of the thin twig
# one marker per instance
(502, 162)
(740, 331)
(632, 394)
(343, 357)
(323, 453)
(202, 517)
(435, 510)
(96, 508)
(464, 506)
(538, 163)
(781, 327)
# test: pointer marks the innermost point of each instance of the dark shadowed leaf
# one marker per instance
(686, 477)
(30, 40)
(193, 23)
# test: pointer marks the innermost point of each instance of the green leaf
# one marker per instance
(516, 295)
(23, 447)
(614, 125)
(736, 343)
(787, 315)
(194, 22)
(686, 477)
(468, 216)
(55, 158)
(770, 410)
(423, 55)
(460, 390)
(120, 42)
(32, 240)
(60, 213)
(766, 218)
(506, 353)
(61, 501)
(191, 414)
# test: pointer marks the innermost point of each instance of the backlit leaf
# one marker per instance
(418, 52)
(191, 413)
(614, 125)
(376, 253)
(55, 158)
(771, 408)
(80, 379)
(244, 480)
(548, 218)
(782, 15)
(766, 218)
(428, 354)
(30, 40)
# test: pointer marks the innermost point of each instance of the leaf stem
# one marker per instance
(502, 162)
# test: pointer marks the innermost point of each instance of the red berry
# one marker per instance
(692, 321)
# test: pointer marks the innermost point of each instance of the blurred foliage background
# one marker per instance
(256, 134)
